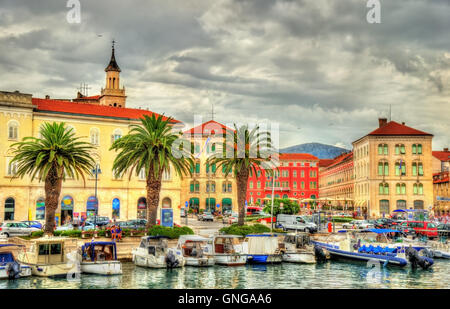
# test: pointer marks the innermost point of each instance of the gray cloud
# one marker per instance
(316, 67)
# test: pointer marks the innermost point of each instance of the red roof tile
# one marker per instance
(209, 127)
(67, 107)
(442, 155)
(325, 162)
(341, 158)
(297, 156)
(94, 97)
(394, 128)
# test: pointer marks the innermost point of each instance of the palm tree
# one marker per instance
(244, 150)
(57, 154)
(151, 146)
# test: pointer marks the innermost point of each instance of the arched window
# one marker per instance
(384, 207)
(227, 186)
(166, 175)
(417, 168)
(418, 189)
(166, 203)
(400, 149)
(194, 186)
(383, 168)
(95, 136)
(401, 204)
(400, 168)
(417, 148)
(211, 186)
(382, 149)
(400, 188)
(383, 188)
(10, 205)
(142, 208)
(142, 175)
(116, 135)
(13, 130)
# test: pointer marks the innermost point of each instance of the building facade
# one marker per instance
(336, 180)
(441, 168)
(296, 179)
(208, 186)
(99, 120)
(393, 169)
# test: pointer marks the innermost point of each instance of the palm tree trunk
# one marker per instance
(53, 185)
(153, 191)
(242, 180)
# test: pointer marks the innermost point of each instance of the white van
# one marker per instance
(295, 222)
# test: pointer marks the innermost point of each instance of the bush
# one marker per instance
(37, 234)
(243, 230)
(289, 207)
(342, 219)
(172, 233)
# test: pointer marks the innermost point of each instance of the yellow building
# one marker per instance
(100, 120)
(208, 186)
(393, 169)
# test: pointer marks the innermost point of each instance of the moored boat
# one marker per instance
(379, 249)
(10, 268)
(296, 248)
(153, 252)
(228, 250)
(100, 257)
(262, 249)
(196, 250)
(49, 257)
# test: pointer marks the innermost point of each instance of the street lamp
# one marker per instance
(96, 171)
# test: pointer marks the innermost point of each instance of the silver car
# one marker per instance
(10, 229)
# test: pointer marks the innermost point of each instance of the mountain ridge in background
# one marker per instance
(321, 151)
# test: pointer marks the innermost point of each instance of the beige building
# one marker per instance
(441, 168)
(336, 181)
(393, 169)
(100, 120)
(208, 186)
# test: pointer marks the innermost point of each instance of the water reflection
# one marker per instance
(328, 275)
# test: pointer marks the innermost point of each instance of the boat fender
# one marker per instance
(171, 260)
(13, 270)
(319, 254)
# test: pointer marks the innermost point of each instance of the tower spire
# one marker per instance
(113, 66)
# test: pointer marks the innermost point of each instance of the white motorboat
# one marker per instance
(196, 250)
(262, 249)
(9, 267)
(440, 250)
(153, 252)
(49, 257)
(100, 257)
(296, 248)
(228, 250)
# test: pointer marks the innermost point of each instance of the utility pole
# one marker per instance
(273, 191)
(96, 171)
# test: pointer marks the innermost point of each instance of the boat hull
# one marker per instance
(303, 258)
(54, 270)
(230, 259)
(364, 257)
(264, 258)
(151, 261)
(441, 254)
(102, 268)
(199, 262)
(25, 271)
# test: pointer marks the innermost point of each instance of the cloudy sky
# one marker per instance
(317, 67)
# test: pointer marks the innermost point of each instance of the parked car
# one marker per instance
(358, 224)
(35, 224)
(99, 221)
(443, 229)
(295, 222)
(425, 228)
(10, 229)
(135, 224)
(70, 226)
(206, 216)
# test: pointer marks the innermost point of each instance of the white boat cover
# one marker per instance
(262, 245)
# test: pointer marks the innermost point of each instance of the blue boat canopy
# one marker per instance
(381, 231)
(98, 243)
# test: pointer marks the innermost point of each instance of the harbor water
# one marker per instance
(334, 274)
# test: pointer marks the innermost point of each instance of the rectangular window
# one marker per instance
(402, 149)
(197, 168)
(302, 174)
(303, 185)
(386, 169)
(414, 169)
(385, 149)
(419, 149)
(251, 185)
(295, 185)
(295, 174)
(258, 185)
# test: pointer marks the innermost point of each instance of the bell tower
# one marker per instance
(112, 94)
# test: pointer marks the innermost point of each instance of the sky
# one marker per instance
(317, 68)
